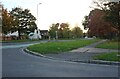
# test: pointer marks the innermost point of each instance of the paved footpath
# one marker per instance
(82, 54)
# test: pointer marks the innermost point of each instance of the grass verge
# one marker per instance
(57, 47)
(109, 45)
(108, 56)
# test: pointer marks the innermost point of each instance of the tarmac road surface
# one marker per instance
(17, 63)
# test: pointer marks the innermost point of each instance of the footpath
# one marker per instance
(84, 54)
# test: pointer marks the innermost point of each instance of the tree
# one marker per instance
(98, 26)
(64, 30)
(7, 21)
(53, 29)
(111, 8)
(0, 25)
(113, 14)
(85, 22)
(77, 32)
(24, 20)
(32, 26)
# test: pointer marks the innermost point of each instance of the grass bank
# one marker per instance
(57, 47)
(109, 45)
(108, 56)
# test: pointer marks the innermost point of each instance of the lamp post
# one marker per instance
(39, 35)
(37, 12)
(56, 35)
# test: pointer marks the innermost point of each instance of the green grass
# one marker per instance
(109, 45)
(57, 47)
(108, 57)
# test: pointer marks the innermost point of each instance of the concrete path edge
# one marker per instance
(82, 61)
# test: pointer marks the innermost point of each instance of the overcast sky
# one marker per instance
(53, 11)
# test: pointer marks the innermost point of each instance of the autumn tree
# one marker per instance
(64, 30)
(111, 8)
(98, 26)
(24, 20)
(110, 11)
(7, 21)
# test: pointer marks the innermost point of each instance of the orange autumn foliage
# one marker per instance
(97, 24)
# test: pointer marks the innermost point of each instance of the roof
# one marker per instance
(43, 30)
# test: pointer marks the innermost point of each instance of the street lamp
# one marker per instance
(37, 12)
(56, 34)
(39, 35)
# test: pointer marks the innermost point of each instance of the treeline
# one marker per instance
(21, 20)
(63, 31)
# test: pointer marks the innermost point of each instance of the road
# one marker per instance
(17, 63)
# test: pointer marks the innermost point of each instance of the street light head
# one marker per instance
(39, 3)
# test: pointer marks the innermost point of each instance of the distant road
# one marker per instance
(17, 63)
(20, 44)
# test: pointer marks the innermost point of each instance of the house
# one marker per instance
(39, 34)
(35, 35)
(4, 37)
(12, 36)
(44, 34)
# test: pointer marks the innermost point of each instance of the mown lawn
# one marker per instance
(108, 56)
(57, 47)
(109, 45)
